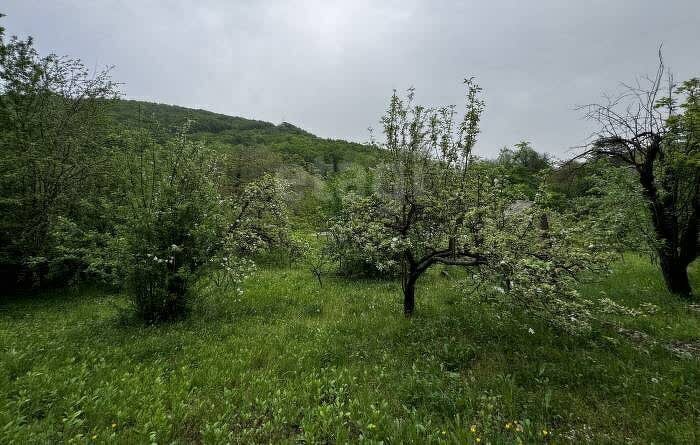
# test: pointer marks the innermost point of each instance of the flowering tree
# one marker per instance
(434, 203)
(535, 255)
(425, 208)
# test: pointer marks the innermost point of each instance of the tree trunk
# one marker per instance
(675, 275)
(673, 252)
(409, 294)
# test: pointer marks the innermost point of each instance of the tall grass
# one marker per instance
(291, 362)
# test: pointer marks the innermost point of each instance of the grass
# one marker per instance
(291, 362)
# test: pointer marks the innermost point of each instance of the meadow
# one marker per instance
(290, 361)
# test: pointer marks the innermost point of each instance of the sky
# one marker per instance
(329, 66)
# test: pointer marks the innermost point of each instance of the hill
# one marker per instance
(284, 143)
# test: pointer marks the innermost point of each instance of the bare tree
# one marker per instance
(652, 128)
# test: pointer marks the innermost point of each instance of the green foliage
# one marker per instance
(359, 242)
(342, 195)
(172, 222)
(523, 166)
(178, 218)
(614, 206)
(262, 146)
(178, 222)
(678, 170)
(569, 182)
(538, 257)
(415, 213)
(86, 254)
(52, 129)
(259, 218)
(354, 180)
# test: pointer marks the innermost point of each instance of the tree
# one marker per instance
(653, 128)
(523, 164)
(425, 207)
(433, 202)
(52, 125)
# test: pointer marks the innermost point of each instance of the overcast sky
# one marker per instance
(330, 66)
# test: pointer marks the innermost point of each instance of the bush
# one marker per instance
(171, 220)
(178, 224)
(157, 293)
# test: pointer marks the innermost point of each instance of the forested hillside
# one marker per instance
(274, 145)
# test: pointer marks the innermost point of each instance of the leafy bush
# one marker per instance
(179, 221)
(171, 220)
(81, 253)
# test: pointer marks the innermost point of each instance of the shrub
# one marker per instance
(178, 223)
(171, 220)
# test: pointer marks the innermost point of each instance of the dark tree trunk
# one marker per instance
(409, 293)
(674, 255)
(675, 275)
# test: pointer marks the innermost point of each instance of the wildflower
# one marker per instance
(509, 425)
(94, 437)
(478, 439)
(545, 432)
(473, 429)
(531, 331)
(114, 425)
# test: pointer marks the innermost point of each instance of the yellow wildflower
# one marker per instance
(478, 439)
(114, 425)
(473, 429)
(509, 425)
(545, 432)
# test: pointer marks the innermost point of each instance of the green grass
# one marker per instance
(292, 362)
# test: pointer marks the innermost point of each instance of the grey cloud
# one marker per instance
(329, 66)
